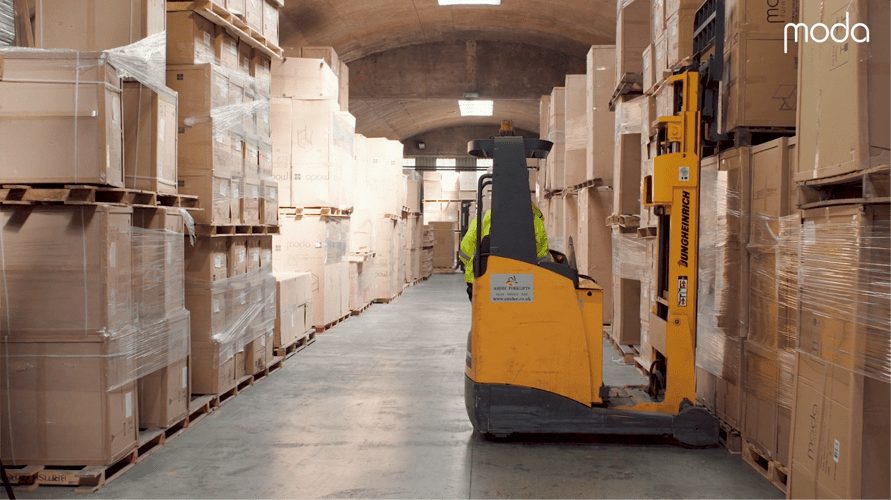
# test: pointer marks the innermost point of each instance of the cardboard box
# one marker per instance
(759, 19)
(77, 125)
(557, 135)
(149, 138)
(326, 53)
(269, 203)
(207, 259)
(270, 21)
(599, 136)
(62, 24)
(673, 6)
(67, 403)
(679, 37)
(840, 433)
(657, 19)
(214, 197)
(253, 15)
(626, 311)
(766, 419)
(627, 175)
(843, 252)
(213, 367)
(164, 396)
(250, 203)
(649, 67)
(190, 38)
(83, 268)
(158, 263)
(386, 283)
(255, 355)
(843, 94)
(343, 79)
(209, 305)
(762, 85)
(444, 249)
(261, 65)
(660, 59)
(244, 57)
(301, 78)
(594, 247)
(772, 188)
(722, 394)
(632, 37)
(237, 255)
(237, 7)
(225, 48)
(316, 245)
(576, 127)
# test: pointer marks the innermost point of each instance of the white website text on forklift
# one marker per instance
(850, 32)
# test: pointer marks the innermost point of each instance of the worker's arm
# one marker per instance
(468, 245)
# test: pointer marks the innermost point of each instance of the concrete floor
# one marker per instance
(375, 409)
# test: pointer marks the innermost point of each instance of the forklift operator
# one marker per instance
(468, 244)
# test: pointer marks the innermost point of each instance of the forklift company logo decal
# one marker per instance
(685, 229)
(849, 31)
(512, 288)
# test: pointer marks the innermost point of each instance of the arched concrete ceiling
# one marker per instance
(411, 60)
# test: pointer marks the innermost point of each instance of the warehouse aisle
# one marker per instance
(375, 409)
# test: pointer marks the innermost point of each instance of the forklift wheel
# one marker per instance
(656, 388)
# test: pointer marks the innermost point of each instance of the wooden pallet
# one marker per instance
(629, 84)
(871, 185)
(624, 221)
(773, 471)
(647, 232)
(356, 312)
(234, 229)
(753, 136)
(323, 329)
(442, 270)
(89, 479)
(730, 438)
(327, 211)
(297, 345)
(628, 352)
(84, 194)
(642, 365)
(222, 17)
(387, 301)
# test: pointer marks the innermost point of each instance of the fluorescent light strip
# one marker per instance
(469, 2)
(485, 162)
(445, 162)
(476, 108)
(408, 162)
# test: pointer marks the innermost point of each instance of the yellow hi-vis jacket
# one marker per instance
(468, 244)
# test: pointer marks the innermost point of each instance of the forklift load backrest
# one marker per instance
(511, 233)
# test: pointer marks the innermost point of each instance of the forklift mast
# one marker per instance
(673, 191)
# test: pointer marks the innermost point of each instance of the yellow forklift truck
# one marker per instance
(534, 352)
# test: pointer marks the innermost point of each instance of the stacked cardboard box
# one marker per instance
(112, 274)
(844, 92)
(294, 307)
(427, 242)
(445, 246)
(115, 285)
(841, 413)
(575, 130)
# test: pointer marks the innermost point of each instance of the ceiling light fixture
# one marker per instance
(476, 108)
(469, 2)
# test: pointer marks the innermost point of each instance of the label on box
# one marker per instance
(512, 288)
(112, 302)
(207, 40)
(241, 255)
(255, 192)
(112, 254)
(169, 252)
(810, 233)
(233, 49)
(268, 255)
(185, 377)
(224, 191)
(216, 305)
(835, 450)
(263, 340)
(128, 405)
(255, 254)
(242, 298)
(273, 194)
(292, 320)
(218, 261)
